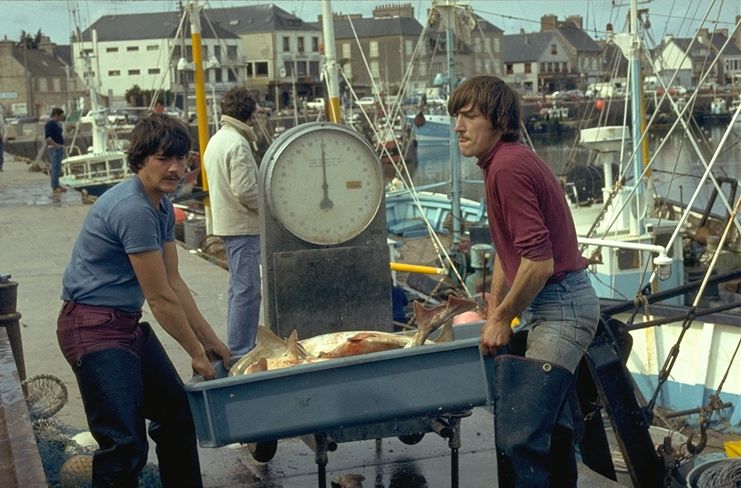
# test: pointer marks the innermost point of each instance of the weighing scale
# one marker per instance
(325, 260)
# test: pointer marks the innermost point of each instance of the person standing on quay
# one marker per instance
(232, 184)
(126, 254)
(55, 143)
(3, 139)
(540, 275)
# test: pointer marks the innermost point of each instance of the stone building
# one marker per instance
(33, 80)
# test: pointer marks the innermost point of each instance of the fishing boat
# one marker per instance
(104, 165)
(639, 256)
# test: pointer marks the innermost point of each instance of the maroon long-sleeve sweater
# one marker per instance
(527, 211)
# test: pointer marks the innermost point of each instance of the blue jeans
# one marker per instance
(55, 155)
(562, 320)
(243, 310)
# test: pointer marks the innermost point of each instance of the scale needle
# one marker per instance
(326, 203)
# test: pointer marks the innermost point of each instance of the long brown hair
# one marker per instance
(493, 97)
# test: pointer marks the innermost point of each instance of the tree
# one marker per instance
(30, 41)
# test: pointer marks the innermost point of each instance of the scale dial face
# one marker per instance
(324, 184)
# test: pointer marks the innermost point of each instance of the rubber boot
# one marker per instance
(114, 408)
(530, 401)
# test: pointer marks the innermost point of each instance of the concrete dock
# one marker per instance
(37, 231)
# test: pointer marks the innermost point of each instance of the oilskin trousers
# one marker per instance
(120, 389)
(533, 422)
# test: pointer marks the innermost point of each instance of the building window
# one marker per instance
(542, 67)
(250, 70)
(132, 48)
(286, 44)
(477, 46)
(153, 47)
(487, 44)
(373, 49)
(261, 69)
(217, 53)
(300, 44)
(346, 50)
(176, 52)
(564, 67)
(301, 68)
(231, 76)
(423, 69)
(347, 69)
(554, 49)
(231, 52)
(375, 73)
(42, 84)
(315, 44)
(288, 65)
(528, 68)
(114, 72)
(409, 47)
(134, 72)
(111, 49)
(496, 44)
(153, 71)
(57, 84)
(217, 75)
(314, 68)
(508, 68)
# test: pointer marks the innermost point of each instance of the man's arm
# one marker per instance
(530, 278)
(150, 271)
(243, 184)
(199, 325)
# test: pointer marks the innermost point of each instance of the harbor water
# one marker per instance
(677, 169)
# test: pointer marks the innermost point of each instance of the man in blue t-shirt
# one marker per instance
(55, 143)
(125, 254)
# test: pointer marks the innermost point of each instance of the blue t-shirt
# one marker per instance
(122, 221)
(53, 130)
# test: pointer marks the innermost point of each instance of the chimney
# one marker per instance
(46, 45)
(577, 20)
(6, 47)
(393, 10)
(548, 22)
(703, 36)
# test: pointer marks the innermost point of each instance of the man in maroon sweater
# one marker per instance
(540, 276)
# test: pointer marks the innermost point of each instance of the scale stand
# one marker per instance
(411, 431)
(325, 259)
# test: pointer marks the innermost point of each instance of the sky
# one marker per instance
(677, 17)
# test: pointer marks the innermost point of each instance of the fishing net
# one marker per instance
(66, 454)
(45, 395)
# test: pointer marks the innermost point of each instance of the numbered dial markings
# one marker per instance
(326, 186)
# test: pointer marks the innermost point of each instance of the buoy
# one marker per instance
(179, 215)
(599, 104)
(77, 472)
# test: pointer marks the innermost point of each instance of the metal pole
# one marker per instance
(333, 87)
(637, 223)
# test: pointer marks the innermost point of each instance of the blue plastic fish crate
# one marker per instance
(312, 398)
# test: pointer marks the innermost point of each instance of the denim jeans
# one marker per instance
(244, 295)
(55, 155)
(126, 377)
(562, 320)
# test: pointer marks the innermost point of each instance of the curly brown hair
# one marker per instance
(154, 133)
(238, 103)
(493, 97)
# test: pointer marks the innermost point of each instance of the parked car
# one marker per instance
(365, 102)
(315, 104)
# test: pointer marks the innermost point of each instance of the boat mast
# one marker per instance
(447, 15)
(330, 62)
(194, 12)
(637, 223)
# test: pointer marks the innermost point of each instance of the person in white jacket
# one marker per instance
(231, 171)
